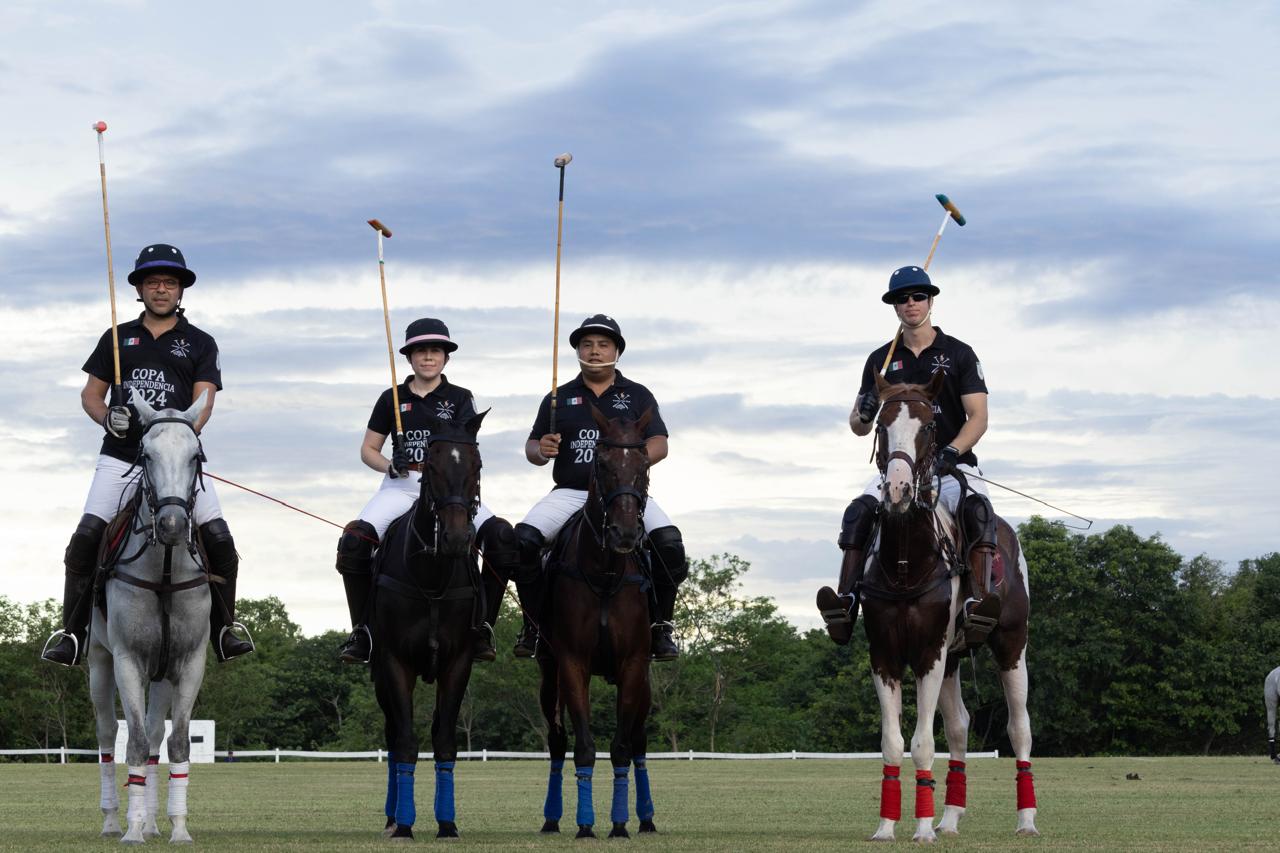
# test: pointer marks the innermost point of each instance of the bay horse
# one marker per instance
(154, 629)
(911, 596)
(1271, 697)
(427, 602)
(599, 624)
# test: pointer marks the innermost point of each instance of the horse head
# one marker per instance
(620, 479)
(170, 461)
(450, 488)
(905, 442)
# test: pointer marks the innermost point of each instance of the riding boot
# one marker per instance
(355, 564)
(662, 645)
(668, 567)
(530, 593)
(224, 566)
(67, 645)
(501, 561)
(839, 607)
(981, 612)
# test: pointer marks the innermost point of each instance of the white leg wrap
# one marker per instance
(153, 790)
(178, 780)
(109, 799)
(137, 814)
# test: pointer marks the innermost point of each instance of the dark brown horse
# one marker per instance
(911, 597)
(426, 606)
(599, 624)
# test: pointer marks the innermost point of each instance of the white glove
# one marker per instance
(117, 420)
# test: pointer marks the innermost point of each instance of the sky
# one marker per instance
(745, 177)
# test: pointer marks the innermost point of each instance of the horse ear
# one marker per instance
(644, 419)
(473, 423)
(146, 414)
(599, 418)
(935, 384)
(192, 414)
(881, 384)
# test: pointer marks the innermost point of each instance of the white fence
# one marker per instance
(488, 754)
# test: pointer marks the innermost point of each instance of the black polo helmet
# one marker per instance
(161, 258)
(599, 324)
(908, 280)
(427, 332)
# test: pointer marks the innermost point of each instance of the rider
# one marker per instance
(169, 363)
(425, 398)
(960, 412)
(600, 345)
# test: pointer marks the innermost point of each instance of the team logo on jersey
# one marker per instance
(941, 362)
(131, 342)
(406, 407)
(897, 365)
(573, 401)
(978, 365)
(444, 410)
(180, 348)
(622, 401)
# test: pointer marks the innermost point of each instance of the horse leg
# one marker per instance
(131, 679)
(557, 743)
(1015, 694)
(102, 689)
(450, 689)
(1271, 698)
(575, 680)
(922, 748)
(955, 721)
(633, 705)
(891, 747)
(157, 710)
(181, 698)
(393, 685)
(639, 751)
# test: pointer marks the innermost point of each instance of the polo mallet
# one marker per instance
(560, 162)
(117, 392)
(383, 231)
(952, 212)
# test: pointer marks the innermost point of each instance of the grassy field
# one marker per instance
(1085, 804)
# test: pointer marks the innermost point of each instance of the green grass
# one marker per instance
(1085, 804)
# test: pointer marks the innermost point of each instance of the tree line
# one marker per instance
(1133, 650)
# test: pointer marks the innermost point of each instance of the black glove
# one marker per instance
(868, 405)
(399, 466)
(117, 420)
(948, 459)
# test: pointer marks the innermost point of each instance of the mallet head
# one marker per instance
(100, 126)
(378, 226)
(564, 160)
(951, 208)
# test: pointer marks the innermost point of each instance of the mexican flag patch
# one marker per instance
(897, 365)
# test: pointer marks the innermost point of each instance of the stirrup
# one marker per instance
(62, 632)
(527, 640)
(344, 651)
(974, 627)
(220, 652)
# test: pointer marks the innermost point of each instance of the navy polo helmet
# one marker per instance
(161, 258)
(427, 332)
(908, 280)
(599, 324)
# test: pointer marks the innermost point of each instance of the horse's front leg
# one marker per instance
(1015, 694)
(955, 721)
(922, 749)
(450, 688)
(102, 689)
(639, 757)
(157, 710)
(393, 685)
(633, 710)
(889, 692)
(575, 680)
(557, 743)
(188, 675)
(131, 680)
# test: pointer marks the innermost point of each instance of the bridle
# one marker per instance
(605, 499)
(436, 503)
(922, 468)
(154, 503)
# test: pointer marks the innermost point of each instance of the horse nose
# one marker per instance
(171, 525)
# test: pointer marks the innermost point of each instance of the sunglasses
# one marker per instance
(903, 298)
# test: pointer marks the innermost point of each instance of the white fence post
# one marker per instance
(62, 752)
(379, 755)
(691, 755)
(277, 755)
(484, 755)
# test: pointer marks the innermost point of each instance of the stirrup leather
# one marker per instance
(61, 632)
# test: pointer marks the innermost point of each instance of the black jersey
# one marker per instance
(163, 370)
(578, 430)
(447, 402)
(954, 358)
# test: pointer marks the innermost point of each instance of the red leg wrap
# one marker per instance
(106, 758)
(890, 794)
(1026, 786)
(956, 780)
(136, 780)
(924, 793)
(153, 759)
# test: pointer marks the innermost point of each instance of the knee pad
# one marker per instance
(529, 543)
(220, 547)
(81, 556)
(671, 566)
(501, 551)
(855, 527)
(355, 548)
(979, 520)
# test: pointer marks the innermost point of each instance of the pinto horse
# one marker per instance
(426, 607)
(154, 629)
(599, 625)
(911, 598)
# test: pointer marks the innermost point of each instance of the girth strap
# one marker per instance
(158, 587)
(410, 591)
(910, 593)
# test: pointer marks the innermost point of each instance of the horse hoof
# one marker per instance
(948, 831)
(584, 831)
(551, 826)
(401, 833)
(1028, 832)
(647, 826)
(448, 829)
(619, 831)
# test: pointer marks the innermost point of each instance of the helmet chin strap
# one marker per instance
(613, 363)
(923, 320)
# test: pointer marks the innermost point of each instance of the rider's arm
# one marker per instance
(856, 424)
(93, 398)
(655, 446)
(540, 451)
(196, 391)
(975, 423)
(371, 451)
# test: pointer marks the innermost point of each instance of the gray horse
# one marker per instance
(1271, 696)
(156, 628)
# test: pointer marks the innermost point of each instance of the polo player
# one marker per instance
(426, 398)
(168, 362)
(599, 345)
(960, 413)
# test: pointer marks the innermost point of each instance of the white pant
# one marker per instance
(550, 513)
(949, 489)
(110, 491)
(393, 499)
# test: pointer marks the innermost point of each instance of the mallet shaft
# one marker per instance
(100, 128)
(386, 319)
(560, 163)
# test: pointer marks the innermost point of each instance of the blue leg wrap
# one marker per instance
(554, 806)
(391, 788)
(444, 791)
(586, 811)
(405, 815)
(644, 800)
(619, 814)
